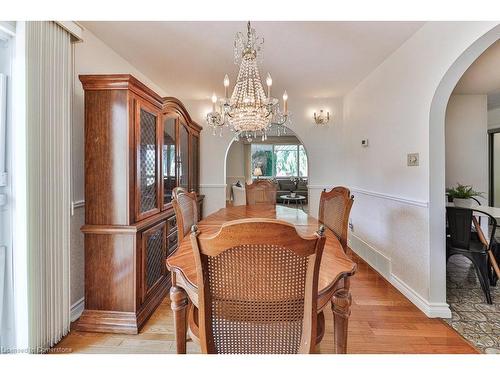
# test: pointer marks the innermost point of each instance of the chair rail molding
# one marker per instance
(212, 186)
(409, 201)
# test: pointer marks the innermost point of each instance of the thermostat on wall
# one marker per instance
(364, 142)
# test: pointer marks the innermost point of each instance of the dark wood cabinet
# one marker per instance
(147, 136)
(153, 251)
(138, 147)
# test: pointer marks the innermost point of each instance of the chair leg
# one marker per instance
(492, 276)
(341, 307)
(481, 264)
(179, 304)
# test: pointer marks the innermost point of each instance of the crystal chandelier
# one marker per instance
(250, 111)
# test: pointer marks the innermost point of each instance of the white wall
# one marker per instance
(235, 166)
(92, 56)
(467, 142)
(494, 118)
(392, 107)
(236, 160)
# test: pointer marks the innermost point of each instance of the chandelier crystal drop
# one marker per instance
(250, 112)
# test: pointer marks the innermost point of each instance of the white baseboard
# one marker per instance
(77, 309)
(432, 310)
(382, 265)
(370, 255)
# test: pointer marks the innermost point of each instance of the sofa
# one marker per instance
(285, 186)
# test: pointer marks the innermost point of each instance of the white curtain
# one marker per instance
(49, 87)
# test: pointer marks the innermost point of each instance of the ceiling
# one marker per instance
(483, 76)
(309, 59)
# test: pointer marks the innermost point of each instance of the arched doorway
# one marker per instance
(282, 158)
(437, 164)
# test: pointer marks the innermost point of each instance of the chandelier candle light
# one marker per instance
(249, 112)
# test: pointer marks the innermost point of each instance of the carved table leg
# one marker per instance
(179, 304)
(341, 307)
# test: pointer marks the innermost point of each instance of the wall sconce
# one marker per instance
(322, 119)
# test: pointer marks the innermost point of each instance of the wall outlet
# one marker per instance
(364, 142)
(412, 159)
(351, 226)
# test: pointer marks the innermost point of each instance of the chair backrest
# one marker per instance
(261, 192)
(186, 211)
(177, 190)
(239, 195)
(459, 226)
(259, 288)
(459, 229)
(334, 209)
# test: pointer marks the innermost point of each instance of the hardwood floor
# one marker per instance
(382, 321)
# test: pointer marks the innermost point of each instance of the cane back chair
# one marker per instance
(257, 289)
(334, 209)
(186, 211)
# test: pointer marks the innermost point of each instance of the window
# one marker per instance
(280, 160)
(302, 161)
(286, 160)
(262, 156)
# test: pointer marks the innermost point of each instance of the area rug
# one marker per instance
(471, 316)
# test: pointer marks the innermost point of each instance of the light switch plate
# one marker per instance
(364, 142)
(413, 159)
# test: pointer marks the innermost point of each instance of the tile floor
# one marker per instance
(472, 317)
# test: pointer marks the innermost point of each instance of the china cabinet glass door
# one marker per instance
(169, 173)
(183, 157)
(195, 160)
(147, 164)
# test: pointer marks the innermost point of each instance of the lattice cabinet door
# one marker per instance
(147, 163)
(154, 252)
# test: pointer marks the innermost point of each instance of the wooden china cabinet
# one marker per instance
(138, 147)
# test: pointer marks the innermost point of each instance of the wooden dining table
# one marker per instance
(334, 275)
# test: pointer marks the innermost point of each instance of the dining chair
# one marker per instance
(186, 211)
(261, 192)
(239, 195)
(177, 190)
(334, 209)
(460, 241)
(258, 289)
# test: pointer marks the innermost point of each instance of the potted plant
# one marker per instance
(461, 195)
